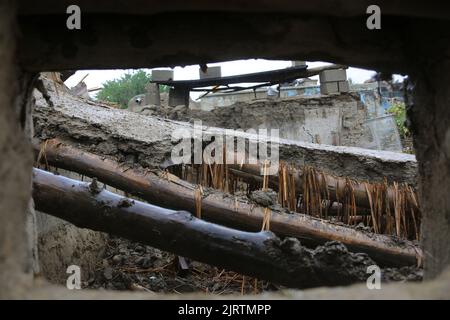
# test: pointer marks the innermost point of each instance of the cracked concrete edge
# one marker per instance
(149, 139)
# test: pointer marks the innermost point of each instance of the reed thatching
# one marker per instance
(385, 208)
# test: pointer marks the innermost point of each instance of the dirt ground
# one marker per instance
(127, 265)
(132, 266)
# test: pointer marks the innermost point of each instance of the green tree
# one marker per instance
(399, 112)
(121, 90)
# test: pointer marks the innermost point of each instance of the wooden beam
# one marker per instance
(171, 192)
(262, 255)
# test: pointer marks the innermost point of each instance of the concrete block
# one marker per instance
(343, 86)
(136, 101)
(211, 72)
(329, 88)
(162, 75)
(144, 99)
(152, 95)
(298, 63)
(178, 96)
(333, 75)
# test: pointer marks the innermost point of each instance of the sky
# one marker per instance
(97, 77)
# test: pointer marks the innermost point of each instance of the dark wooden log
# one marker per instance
(262, 255)
(172, 192)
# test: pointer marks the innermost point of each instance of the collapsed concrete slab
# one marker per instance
(336, 120)
(145, 141)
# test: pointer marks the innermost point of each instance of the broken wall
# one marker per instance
(213, 100)
(147, 141)
(332, 120)
(16, 240)
(429, 113)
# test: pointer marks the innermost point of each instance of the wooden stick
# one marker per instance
(172, 192)
(262, 255)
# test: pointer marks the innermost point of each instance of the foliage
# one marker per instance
(399, 112)
(121, 90)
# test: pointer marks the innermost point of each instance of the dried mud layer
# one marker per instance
(128, 265)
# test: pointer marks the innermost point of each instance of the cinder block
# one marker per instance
(211, 72)
(162, 75)
(329, 87)
(178, 96)
(343, 86)
(333, 75)
(298, 63)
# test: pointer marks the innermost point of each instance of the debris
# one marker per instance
(225, 209)
(264, 198)
(125, 203)
(94, 187)
(108, 273)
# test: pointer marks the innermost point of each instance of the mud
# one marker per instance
(264, 198)
(61, 244)
(127, 265)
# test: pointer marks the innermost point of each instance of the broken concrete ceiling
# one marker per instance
(340, 8)
(142, 34)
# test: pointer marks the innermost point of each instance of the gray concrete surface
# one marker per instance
(147, 141)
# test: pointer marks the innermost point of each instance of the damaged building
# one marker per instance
(90, 187)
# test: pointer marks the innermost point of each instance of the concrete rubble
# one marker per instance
(147, 141)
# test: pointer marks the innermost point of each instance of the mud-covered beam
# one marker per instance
(262, 255)
(218, 207)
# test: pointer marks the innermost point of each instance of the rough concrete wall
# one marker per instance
(15, 165)
(61, 244)
(130, 138)
(146, 141)
(332, 120)
(430, 123)
(213, 100)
